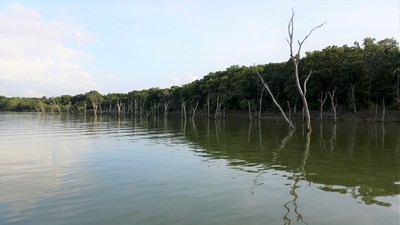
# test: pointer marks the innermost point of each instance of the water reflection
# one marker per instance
(33, 162)
(341, 157)
(357, 161)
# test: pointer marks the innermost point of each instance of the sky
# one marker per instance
(54, 48)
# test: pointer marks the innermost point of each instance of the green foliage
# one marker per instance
(367, 67)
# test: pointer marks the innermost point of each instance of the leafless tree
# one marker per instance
(332, 97)
(260, 110)
(295, 57)
(322, 100)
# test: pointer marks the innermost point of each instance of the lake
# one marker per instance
(60, 169)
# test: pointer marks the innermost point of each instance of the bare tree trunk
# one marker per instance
(183, 110)
(248, 102)
(353, 98)
(376, 112)
(290, 110)
(208, 106)
(296, 59)
(332, 97)
(118, 104)
(260, 110)
(42, 107)
(166, 108)
(275, 102)
(69, 107)
(56, 104)
(322, 100)
(383, 110)
(217, 110)
(194, 110)
(398, 84)
(85, 106)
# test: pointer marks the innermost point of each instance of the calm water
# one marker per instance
(75, 170)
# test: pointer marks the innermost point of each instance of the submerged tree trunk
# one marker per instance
(260, 110)
(208, 106)
(183, 110)
(218, 108)
(383, 110)
(194, 110)
(322, 100)
(332, 97)
(296, 59)
(248, 103)
(353, 98)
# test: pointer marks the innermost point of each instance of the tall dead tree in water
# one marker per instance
(295, 57)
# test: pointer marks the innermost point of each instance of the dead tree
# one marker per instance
(94, 99)
(260, 110)
(332, 97)
(69, 107)
(398, 83)
(194, 110)
(56, 104)
(275, 102)
(248, 102)
(322, 100)
(295, 57)
(118, 104)
(183, 110)
(218, 107)
(208, 106)
(166, 108)
(42, 107)
(383, 110)
(353, 98)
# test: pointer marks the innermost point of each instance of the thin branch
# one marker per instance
(301, 43)
(273, 99)
(305, 83)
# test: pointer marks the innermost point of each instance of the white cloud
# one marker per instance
(32, 51)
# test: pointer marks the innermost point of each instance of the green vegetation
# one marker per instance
(364, 77)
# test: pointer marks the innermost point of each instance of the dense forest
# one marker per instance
(349, 78)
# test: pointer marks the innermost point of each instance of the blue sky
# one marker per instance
(51, 48)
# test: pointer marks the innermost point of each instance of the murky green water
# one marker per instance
(74, 170)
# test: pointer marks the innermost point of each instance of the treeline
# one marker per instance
(364, 76)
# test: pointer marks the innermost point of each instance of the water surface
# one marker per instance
(109, 170)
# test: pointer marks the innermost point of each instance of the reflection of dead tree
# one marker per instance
(297, 178)
(282, 145)
(294, 202)
(333, 138)
(249, 132)
(183, 125)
